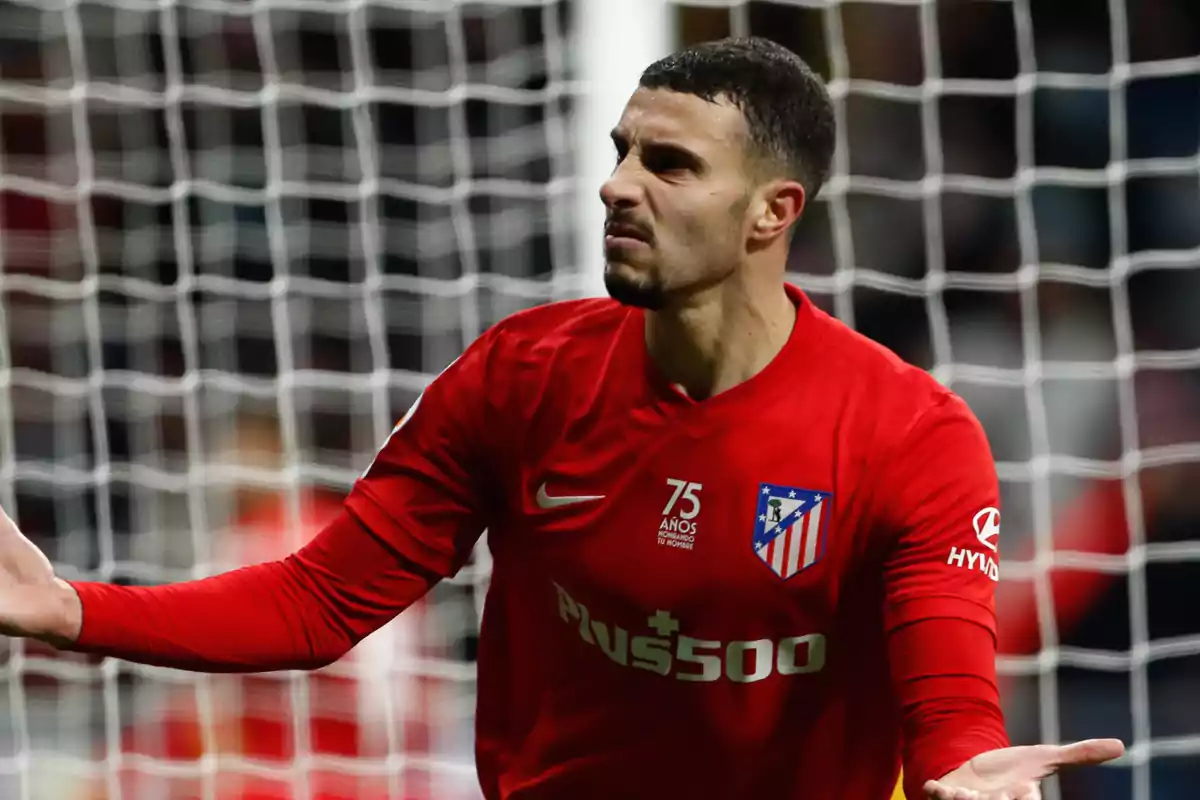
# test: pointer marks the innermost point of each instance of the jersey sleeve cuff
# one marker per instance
(100, 622)
(899, 614)
(372, 514)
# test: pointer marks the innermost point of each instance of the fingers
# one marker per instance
(940, 791)
(1089, 751)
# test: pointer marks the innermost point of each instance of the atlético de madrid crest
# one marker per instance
(789, 527)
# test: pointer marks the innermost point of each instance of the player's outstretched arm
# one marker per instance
(1014, 773)
(411, 519)
(303, 612)
(941, 506)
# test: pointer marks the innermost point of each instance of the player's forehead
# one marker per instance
(667, 117)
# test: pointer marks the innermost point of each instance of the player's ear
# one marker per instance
(781, 205)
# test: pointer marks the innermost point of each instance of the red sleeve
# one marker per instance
(303, 612)
(944, 671)
(940, 509)
(431, 489)
(940, 506)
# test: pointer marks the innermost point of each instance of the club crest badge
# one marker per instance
(789, 528)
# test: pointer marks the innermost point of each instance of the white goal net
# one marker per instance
(237, 237)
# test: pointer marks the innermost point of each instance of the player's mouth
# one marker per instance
(623, 236)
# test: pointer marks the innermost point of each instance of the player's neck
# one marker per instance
(721, 336)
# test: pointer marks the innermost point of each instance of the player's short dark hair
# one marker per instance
(785, 104)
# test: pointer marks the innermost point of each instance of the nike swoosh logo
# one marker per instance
(545, 500)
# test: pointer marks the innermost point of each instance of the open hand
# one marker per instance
(1015, 773)
(33, 603)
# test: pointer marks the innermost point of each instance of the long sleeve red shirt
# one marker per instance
(643, 599)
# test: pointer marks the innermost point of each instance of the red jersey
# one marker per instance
(690, 598)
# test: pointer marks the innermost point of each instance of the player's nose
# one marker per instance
(621, 190)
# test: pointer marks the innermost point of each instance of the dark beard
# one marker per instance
(637, 293)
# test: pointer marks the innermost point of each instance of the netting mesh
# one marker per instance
(1012, 209)
(237, 238)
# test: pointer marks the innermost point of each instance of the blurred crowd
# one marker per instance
(191, 372)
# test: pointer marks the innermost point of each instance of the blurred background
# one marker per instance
(237, 238)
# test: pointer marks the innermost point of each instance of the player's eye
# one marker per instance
(668, 160)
